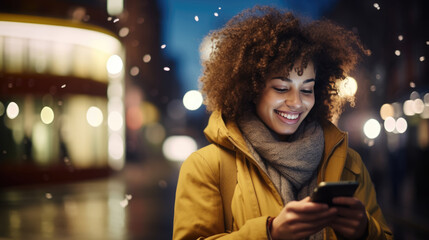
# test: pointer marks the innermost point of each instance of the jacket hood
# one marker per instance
(226, 134)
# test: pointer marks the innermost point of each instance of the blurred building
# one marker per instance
(83, 88)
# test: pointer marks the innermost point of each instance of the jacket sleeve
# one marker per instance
(377, 227)
(198, 212)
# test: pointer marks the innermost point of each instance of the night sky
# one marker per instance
(182, 34)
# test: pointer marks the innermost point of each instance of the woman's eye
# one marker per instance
(280, 89)
(307, 91)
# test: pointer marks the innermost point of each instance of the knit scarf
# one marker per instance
(292, 164)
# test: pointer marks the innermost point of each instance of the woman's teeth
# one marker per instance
(288, 116)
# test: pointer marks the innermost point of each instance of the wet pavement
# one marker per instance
(136, 203)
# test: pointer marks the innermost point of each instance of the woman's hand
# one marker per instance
(300, 219)
(351, 221)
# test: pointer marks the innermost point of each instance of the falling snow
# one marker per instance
(397, 53)
(216, 14)
(48, 196)
(63, 86)
(377, 6)
(422, 58)
(162, 184)
(116, 20)
(124, 202)
(166, 69)
(196, 18)
(400, 37)
(163, 46)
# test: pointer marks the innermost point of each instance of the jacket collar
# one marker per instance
(229, 136)
(334, 154)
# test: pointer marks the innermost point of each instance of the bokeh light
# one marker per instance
(155, 133)
(389, 124)
(134, 71)
(147, 58)
(371, 128)
(178, 148)
(426, 99)
(401, 125)
(114, 64)
(47, 115)
(347, 87)
(193, 100)
(116, 146)
(115, 121)
(94, 116)
(414, 95)
(12, 110)
(123, 32)
(425, 113)
(418, 106)
(134, 118)
(386, 111)
(408, 107)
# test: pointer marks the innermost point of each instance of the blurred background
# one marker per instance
(99, 105)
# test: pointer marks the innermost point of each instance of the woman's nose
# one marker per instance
(293, 100)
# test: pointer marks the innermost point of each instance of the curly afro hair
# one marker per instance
(264, 39)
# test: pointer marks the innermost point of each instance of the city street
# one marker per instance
(136, 203)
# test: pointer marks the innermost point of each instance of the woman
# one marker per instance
(269, 83)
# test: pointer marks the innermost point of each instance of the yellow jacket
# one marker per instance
(198, 207)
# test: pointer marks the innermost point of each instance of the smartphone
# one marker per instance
(325, 191)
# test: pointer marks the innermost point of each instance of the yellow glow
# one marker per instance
(192, 100)
(347, 87)
(51, 48)
(47, 115)
(87, 145)
(178, 148)
(14, 51)
(94, 116)
(12, 110)
(386, 111)
(371, 128)
(2, 109)
(70, 35)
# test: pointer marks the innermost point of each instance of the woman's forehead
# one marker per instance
(298, 67)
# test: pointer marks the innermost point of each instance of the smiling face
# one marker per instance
(286, 101)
